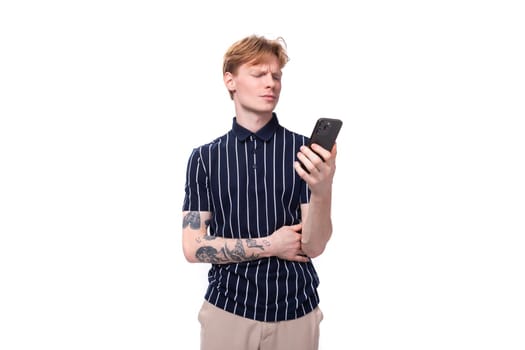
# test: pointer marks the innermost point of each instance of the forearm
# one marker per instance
(218, 250)
(199, 246)
(317, 226)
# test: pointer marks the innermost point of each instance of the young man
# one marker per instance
(257, 216)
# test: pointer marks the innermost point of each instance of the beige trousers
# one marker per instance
(221, 330)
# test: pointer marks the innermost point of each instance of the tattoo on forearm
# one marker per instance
(205, 237)
(192, 219)
(209, 255)
(238, 254)
(252, 243)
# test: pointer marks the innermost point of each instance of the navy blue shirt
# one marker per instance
(248, 182)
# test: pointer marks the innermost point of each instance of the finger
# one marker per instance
(299, 168)
(303, 166)
(311, 152)
(321, 152)
(302, 258)
(310, 160)
(297, 227)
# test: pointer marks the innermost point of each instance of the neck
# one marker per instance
(253, 121)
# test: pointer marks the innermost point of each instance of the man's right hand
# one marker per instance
(286, 243)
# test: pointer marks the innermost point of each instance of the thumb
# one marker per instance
(297, 227)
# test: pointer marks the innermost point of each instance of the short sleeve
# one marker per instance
(197, 196)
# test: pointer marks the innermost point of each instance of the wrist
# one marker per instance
(321, 197)
(266, 243)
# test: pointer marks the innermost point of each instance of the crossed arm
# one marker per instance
(295, 243)
(199, 246)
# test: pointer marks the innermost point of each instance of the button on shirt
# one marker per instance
(248, 182)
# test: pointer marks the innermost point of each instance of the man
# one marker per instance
(255, 214)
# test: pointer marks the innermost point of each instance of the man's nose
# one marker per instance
(268, 80)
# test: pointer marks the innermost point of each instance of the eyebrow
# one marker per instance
(260, 69)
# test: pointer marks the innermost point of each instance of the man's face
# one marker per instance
(256, 87)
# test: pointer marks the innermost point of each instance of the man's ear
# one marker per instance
(229, 82)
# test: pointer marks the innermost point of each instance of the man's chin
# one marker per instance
(265, 110)
(268, 107)
(261, 108)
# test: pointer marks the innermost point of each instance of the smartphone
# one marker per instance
(324, 134)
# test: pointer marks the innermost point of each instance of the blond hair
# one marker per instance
(253, 49)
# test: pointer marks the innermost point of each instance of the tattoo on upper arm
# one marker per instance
(192, 219)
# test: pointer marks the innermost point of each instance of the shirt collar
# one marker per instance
(265, 133)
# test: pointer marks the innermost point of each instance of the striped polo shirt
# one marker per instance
(247, 180)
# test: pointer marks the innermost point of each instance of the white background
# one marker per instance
(101, 103)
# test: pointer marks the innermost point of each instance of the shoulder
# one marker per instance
(207, 147)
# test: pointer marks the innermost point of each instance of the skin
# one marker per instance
(256, 89)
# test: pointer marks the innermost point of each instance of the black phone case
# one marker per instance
(325, 132)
